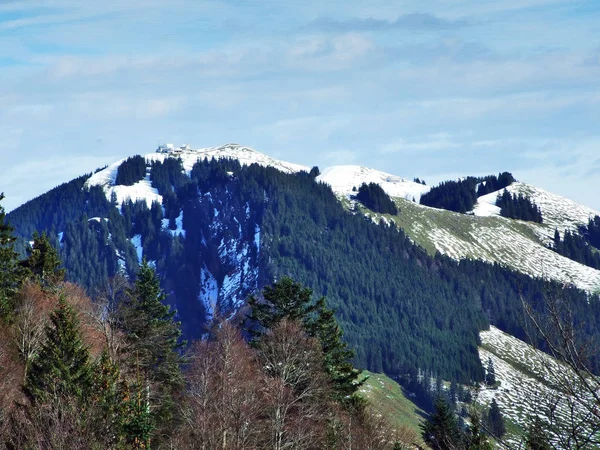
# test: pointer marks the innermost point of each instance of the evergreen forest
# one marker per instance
(401, 309)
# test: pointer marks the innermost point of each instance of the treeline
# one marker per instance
(131, 171)
(57, 208)
(461, 196)
(518, 207)
(591, 232)
(374, 197)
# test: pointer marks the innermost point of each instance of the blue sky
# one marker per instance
(435, 89)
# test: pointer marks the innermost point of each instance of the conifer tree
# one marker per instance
(43, 261)
(476, 437)
(11, 274)
(284, 299)
(152, 346)
(288, 300)
(109, 399)
(490, 375)
(62, 366)
(336, 353)
(495, 420)
(441, 430)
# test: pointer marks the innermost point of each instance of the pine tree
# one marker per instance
(152, 349)
(490, 375)
(495, 420)
(536, 438)
(11, 274)
(441, 430)
(62, 366)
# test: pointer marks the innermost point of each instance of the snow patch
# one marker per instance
(178, 231)
(343, 179)
(139, 249)
(209, 292)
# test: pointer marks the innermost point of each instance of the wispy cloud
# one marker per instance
(410, 22)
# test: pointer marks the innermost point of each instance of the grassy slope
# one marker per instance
(388, 398)
(519, 245)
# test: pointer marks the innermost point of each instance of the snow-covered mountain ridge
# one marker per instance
(343, 179)
(482, 234)
(143, 189)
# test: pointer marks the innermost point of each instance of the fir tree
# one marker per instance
(441, 430)
(490, 373)
(375, 198)
(476, 437)
(287, 299)
(131, 171)
(43, 261)
(62, 366)
(110, 414)
(152, 346)
(11, 274)
(284, 299)
(495, 420)
(336, 353)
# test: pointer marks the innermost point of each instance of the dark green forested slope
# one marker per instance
(400, 308)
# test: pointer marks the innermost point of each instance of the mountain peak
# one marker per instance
(106, 178)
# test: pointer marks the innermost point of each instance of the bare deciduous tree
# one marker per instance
(33, 307)
(297, 390)
(224, 393)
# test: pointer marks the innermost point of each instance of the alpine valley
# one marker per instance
(415, 273)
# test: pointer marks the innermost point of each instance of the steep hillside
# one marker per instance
(527, 386)
(390, 401)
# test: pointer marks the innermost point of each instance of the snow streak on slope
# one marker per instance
(484, 235)
(512, 243)
(343, 179)
(527, 378)
(143, 190)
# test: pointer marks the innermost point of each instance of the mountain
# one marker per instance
(412, 290)
(483, 233)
